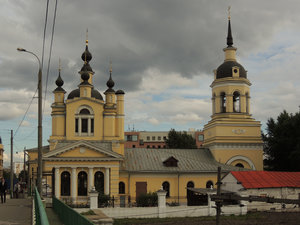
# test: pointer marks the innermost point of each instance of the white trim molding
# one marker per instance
(239, 157)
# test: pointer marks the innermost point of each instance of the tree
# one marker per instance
(23, 176)
(177, 139)
(282, 142)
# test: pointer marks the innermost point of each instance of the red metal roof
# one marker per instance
(267, 179)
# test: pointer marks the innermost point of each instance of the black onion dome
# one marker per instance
(225, 70)
(86, 55)
(86, 67)
(73, 94)
(85, 76)
(120, 92)
(59, 82)
(110, 83)
(96, 94)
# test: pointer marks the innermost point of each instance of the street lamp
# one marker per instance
(40, 168)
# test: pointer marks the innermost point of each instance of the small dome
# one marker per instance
(59, 82)
(73, 94)
(76, 93)
(120, 92)
(96, 94)
(85, 76)
(86, 55)
(86, 67)
(225, 70)
(110, 83)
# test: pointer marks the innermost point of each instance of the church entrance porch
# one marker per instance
(72, 184)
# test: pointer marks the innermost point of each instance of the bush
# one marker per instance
(147, 200)
(103, 200)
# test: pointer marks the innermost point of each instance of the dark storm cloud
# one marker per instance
(184, 37)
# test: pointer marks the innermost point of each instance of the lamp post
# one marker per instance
(40, 168)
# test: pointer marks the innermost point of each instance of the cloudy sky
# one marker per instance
(163, 53)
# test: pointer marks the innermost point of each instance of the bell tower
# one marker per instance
(232, 135)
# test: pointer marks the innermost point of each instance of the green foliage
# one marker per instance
(21, 175)
(90, 212)
(6, 174)
(282, 143)
(103, 200)
(147, 200)
(177, 139)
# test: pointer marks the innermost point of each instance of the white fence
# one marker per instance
(174, 211)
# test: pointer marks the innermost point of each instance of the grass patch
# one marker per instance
(185, 220)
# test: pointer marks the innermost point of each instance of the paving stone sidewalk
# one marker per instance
(16, 212)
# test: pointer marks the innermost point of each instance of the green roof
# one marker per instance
(189, 160)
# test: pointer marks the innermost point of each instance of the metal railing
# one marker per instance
(40, 213)
(68, 215)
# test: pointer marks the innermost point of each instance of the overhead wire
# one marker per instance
(44, 37)
(50, 53)
(25, 113)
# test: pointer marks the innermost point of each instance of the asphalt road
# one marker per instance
(16, 212)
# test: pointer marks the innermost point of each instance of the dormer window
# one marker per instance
(170, 162)
(84, 122)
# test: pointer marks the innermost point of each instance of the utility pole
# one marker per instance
(219, 201)
(24, 167)
(11, 164)
(40, 117)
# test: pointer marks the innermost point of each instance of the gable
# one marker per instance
(82, 149)
(82, 152)
(170, 162)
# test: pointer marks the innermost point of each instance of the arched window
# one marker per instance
(99, 182)
(239, 165)
(121, 187)
(166, 187)
(223, 102)
(65, 183)
(82, 183)
(236, 102)
(209, 184)
(189, 193)
(84, 121)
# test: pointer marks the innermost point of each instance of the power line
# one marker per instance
(25, 113)
(50, 53)
(45, 28)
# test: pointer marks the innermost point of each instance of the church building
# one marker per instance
(86, 148)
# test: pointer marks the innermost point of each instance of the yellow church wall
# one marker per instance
(58, 125)
(114, 181)
(71, 108)
(109, 125)
(87, 153)
(82, 164)
(224, 155)
(178, 183)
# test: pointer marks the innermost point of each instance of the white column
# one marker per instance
(73, 183)
(161, 194)
(89, 126)
(57, 182)
(79, 126)
(91, 179)
(106, 181)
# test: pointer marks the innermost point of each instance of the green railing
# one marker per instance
(68, 215)
(40, 213)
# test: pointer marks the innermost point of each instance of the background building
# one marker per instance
(156, 139)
